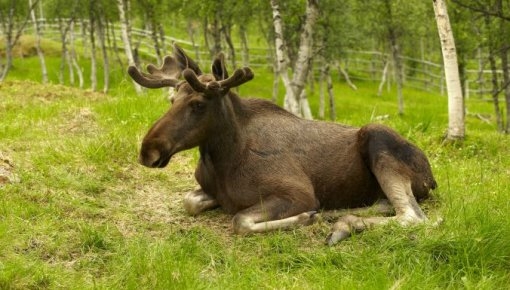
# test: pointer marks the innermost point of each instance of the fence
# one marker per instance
(420, 74)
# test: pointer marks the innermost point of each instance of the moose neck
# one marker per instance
(226, 142)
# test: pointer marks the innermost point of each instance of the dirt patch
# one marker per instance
(80, 121)
(6, 170)
(151, 201)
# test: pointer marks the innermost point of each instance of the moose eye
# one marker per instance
(197, 107)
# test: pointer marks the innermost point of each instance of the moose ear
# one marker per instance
(219, 69)
(185, 61)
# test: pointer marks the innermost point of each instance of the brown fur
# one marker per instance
(263, 164)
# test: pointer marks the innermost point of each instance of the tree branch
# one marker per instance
(482, 9)
(22, 27)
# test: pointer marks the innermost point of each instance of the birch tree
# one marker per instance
(40, 53)
(13, 23)
(122, 5)
(456, 129)
(295, 100)
(290, 102)
(92, 34)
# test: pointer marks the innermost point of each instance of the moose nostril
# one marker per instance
(149, 159)
(156, 163)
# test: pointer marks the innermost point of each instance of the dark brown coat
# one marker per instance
(272, 169)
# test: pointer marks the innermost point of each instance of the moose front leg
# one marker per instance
(198, 201)
(274, 213)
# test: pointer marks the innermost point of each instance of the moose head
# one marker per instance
(195, 104)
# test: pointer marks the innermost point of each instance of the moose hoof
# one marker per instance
(308, 218)
(338, 236)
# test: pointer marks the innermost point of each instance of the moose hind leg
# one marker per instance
(198, 201)
(397, 188)
(274, 213)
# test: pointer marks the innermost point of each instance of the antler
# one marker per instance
(184, 60)
(193, 81)
(239, 77)
(166, 76)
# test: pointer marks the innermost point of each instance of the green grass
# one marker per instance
(85, 215)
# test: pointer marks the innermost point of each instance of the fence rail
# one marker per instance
(421, 74)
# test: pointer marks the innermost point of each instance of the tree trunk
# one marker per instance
(311, 79)
(304, 57)
(155, 38)
(506, 82)
(191, 33)
(344, 73)
(399, 77)
(494, 73)
(322, 92)
(290, 102)
(245, 52)
(205, 28)
(93, 62)
(383, 77)
(12, 39)
(124, 22)
(8, 58)
(112, 42)
(63, 53)
(228, 39)
(456, 129)
(329, 85)
(69, 64)
(276, 81)
(213, 30)
(73, 55)
(480, 79)
(106, 61)
(84, 39)
(295, 101)
(162, 38)
(40, 53)
(216, 34)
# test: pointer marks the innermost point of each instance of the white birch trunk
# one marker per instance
(40, 53)
(304, 56)
(73, 56)
(126, 39)
(290, 102)
(383, 77)
(93, 60)
(244, 45)
(344, 73)
(101, 33)
(10, 40)
(295, 101)
(456, 129)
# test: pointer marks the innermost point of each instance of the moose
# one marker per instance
(271, 169)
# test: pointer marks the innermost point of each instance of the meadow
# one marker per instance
(79, 212)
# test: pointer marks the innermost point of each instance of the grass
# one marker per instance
(85, 215)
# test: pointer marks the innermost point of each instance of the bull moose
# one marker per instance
(271, 169)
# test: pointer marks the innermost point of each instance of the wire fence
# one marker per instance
(421, 74)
